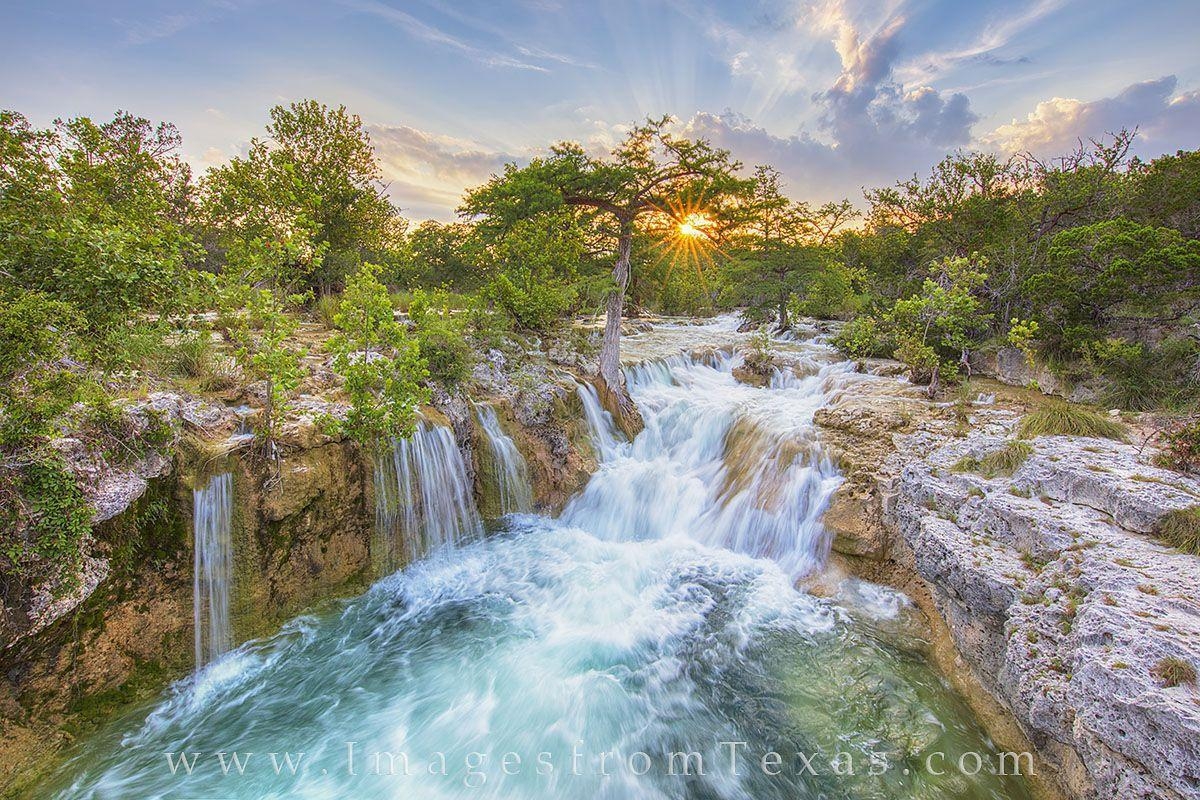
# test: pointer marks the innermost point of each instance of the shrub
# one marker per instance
(1064, 419)
(1004, 461)
(1181, 447)
(445, 351)
(381, 363)
(1172, 671)
(43, 535)
(1143, 378)
(861, 337)
(1181, 529)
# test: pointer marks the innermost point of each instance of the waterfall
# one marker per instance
(719, 462)
(512, 473)
(213, 573)
(423, 499)
(659, 614)
(603, 430)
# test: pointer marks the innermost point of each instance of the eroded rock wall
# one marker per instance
(1058, 599)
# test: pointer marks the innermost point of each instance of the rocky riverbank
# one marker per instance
(302, 534)
(1062, 606)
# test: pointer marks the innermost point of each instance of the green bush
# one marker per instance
(43, 535)
(1181, 529)
(1142, 378)
(445, 351)
(1058, 418)
(534, 304)
(862, 337)
(1181, 447)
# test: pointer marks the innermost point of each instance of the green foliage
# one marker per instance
(381, 364)
(863, 337)
(93, 214)
(1101, 274)
(44, 532)
(437, 254)
(783, 248)
(1002, 462)
(1141, 377)
(440, 336)
(934, 330)
(261, 329)
(834, 292)
(313, 186)
(38, 380)
(1181, 529)
(1058, 418)
(1022, 334)
(1181, 447)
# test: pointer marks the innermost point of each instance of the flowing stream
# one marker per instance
(212, 515)
(649, 643)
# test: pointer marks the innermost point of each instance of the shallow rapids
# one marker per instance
(650, 643)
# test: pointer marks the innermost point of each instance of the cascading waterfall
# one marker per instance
(720, 462)
(603, 431)
(423, 499)
(512, 472)
(659, 614)
(213, 567)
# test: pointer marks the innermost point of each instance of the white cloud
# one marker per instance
(1165, 121)
(428, 173)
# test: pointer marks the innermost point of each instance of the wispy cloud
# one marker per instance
(426, 32)
(995, 34)
(153, 28)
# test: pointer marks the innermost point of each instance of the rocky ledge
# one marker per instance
(1056, 594)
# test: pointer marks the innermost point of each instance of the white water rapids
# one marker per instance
(568, 658)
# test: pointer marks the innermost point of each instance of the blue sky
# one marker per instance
(838, 94)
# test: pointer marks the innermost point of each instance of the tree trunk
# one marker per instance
(783, 312)
(610, 349)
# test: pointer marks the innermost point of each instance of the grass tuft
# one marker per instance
(1181, 529)
(1172, 671)
(1063, 419)
(1004, 461)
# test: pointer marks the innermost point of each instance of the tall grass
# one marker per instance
(1002, 462)
(1064, 419)
(1181, 529)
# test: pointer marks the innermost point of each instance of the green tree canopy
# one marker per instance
(315, 183)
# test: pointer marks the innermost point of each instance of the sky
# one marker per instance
(837, 94)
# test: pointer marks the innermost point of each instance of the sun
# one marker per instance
(693, 225)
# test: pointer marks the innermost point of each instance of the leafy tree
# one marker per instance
(38, 381)
(935, 329)
(315, 182)
(533, 264)
(96, 214)
(257, 321)
(382, 365)
(783, 246)
(1113, 271)
(1166, 193)
(437, 254)
(652, 172)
